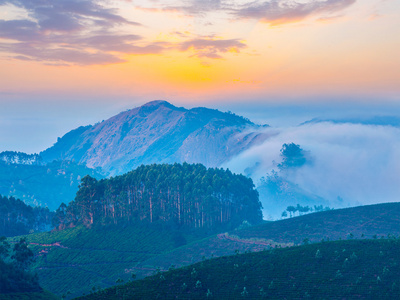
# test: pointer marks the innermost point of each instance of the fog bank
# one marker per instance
(357, 164)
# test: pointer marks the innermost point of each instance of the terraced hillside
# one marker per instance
(78, 259)
(356, 269)
(75, 260)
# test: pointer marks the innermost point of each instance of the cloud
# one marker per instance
(358, 163)
(70, 32)
(65, 32)
(274, 12)
(188, 8)
(277, 12)
(212, 48)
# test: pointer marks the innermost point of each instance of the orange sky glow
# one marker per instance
(182, 51)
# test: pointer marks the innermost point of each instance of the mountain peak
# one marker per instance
(157, 103)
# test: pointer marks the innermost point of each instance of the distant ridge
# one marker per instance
(157, 132)
(376, 120)
(13, 157)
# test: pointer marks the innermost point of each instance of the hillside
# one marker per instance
(157, 132)
(373, 222)
(369, 221)
(43, 184)
(78, 259)
(357, 269)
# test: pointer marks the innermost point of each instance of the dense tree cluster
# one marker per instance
(293, 156)
(14, 265)
(17, 218)
(185, 195)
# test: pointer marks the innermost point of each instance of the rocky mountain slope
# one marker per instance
(157, 132)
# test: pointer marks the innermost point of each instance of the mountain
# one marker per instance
(43, 184)
(157, 132)
(357, 269)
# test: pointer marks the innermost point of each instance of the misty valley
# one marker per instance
(164, 202)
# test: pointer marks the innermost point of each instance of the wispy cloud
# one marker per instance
(65, 32)
(277, 12)
(70, 32)
(212, 48)
(274, 12)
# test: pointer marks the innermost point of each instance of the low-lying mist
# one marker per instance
(347, 164)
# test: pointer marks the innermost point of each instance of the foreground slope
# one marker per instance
(372, 221)
(78, 259)
(356, 269)
(157, 132)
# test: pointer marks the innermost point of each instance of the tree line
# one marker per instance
(303, 210)
(17, 218)
(185, 195)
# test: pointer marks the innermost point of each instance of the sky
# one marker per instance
(68, 63)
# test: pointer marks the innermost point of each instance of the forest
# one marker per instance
(17, 218)
(181, 195)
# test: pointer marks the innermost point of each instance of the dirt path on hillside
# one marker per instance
(268, 243)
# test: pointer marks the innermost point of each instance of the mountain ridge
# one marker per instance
(157, 132)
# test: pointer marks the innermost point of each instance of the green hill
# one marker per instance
(75, 260)
(354, 269)
(367, 221)
(78, 259)
(372, 221)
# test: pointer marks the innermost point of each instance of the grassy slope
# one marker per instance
(98, 257)
(78, 259)
(370, 221)
(353, 269)
(363, 221)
